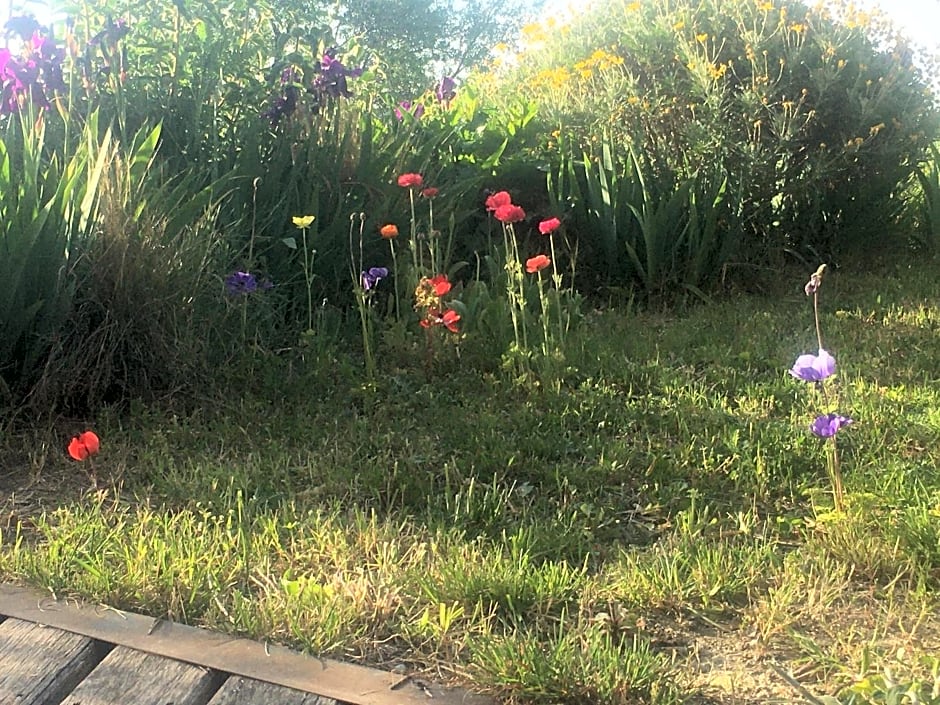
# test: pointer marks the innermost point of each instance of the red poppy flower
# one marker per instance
(537, 263)
(509, 213)
(448, 319)
(440, 284)
(547, 227)
(410, 180)
(430, 192)
(84, 445)
(389, 231)
(498, 199)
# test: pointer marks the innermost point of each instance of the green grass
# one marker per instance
(586, 541)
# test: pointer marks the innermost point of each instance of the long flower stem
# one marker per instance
(835, 475)
(816, 315)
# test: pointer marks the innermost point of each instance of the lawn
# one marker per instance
(652, 524)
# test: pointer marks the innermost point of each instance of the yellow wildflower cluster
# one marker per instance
(600, 60)
(553, 78)
(713, 70)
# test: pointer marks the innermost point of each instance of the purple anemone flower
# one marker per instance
(239, 283)
(828, 425)
(814, 368)
(373, 277)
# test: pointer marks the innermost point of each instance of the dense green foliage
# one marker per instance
(681, 145)
(793, 128)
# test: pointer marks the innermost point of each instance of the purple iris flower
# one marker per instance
(446, 89)
(333, 75)
(239, 283)
(814, 368)
(373, 277)
(828, 425)
(31, 77)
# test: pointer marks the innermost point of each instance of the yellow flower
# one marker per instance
(633, 7)
(703, 37)
(797, 27)
(303, 221)
(678, 25)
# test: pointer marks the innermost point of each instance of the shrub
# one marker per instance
(815, 117)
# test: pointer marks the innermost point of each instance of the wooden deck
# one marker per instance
(57, 653)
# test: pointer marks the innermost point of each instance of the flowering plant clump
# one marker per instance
(816, 369)
(331, 82)
(429, 302)
(33, 77)
(507, 213)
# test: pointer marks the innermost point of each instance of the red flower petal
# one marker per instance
(440, 284)
(90, 440)
(502, 198)
(449, 319)
(537, 263)
(77, 449)
(410, 180)
(546, 227)
(509, 213)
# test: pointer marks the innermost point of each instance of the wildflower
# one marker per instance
(537, 263)
(333, 74)
(509, 213)
(501, 198)
(828, 425)
(84, 445)
(373, 277)
(547, 227)
(303, 221)
(446, 89)
(241, 283)
(389, 231)
(410, 180)
(814, 368)
(440, 284)
(448, 319)
(430, 192)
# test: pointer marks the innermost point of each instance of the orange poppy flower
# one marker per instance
(389, 231)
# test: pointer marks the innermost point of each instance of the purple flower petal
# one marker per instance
(814, 368)
(828, 425)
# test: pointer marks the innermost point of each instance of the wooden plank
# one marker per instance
(247, 691)
(130, 676)
(345, 682)
(40, 665)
